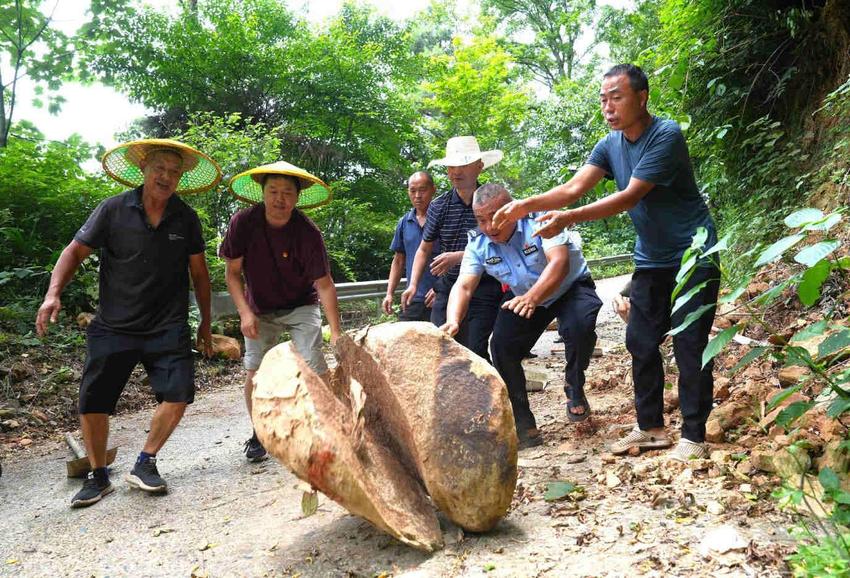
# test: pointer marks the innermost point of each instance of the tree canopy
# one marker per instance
(363, 101)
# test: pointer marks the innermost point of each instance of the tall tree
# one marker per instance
(476, 90)
(35, 50)
(214, 56)
(542, 34)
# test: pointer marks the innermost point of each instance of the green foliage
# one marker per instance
(473, 91)
(45, 197)
(823, 554)
(36, 51)
(551, 54)
(560, 490)
(223, 57)
(251, 83)
(235, 145)
(821, 558)
(742, 77)
(827, 553)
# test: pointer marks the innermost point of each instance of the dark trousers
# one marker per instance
(415, 311)
(649, 321)
(514, 336)
(476, 327)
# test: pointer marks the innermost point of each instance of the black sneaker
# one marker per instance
(94, 488)
(145, 476)
(254, 450)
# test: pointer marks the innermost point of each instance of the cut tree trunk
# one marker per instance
(327, 443)
(408, 413)
(446, 412)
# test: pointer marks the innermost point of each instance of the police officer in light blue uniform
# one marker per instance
(548, 279)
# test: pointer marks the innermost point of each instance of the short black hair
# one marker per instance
(637, 77)
(428, 177)
(293, 179)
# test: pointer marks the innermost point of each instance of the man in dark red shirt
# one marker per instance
(281, 256)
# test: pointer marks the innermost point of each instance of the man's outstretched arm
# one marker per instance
(561, 196)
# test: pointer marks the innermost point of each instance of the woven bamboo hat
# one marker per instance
(124, 164)
(314, 192)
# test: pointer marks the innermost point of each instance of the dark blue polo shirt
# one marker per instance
(144, 271)
(667, 217)
(408, 235)
(448, 221)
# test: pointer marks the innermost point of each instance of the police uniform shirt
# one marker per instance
(519, 261)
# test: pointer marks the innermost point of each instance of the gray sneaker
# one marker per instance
(145, 476)
(687, 450)
(642, 440)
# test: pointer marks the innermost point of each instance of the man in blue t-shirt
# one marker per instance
(408, 235)
(648, 159)
(548, 279)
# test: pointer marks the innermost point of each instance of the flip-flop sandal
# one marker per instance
(577, 417)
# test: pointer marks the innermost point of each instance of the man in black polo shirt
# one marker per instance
(449, 219)
(147, 239)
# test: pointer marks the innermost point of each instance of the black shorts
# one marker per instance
(110, 357)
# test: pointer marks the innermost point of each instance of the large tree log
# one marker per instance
(447, 415)
(407, 410)
(326, 442)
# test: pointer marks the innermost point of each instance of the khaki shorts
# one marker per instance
(304, 325)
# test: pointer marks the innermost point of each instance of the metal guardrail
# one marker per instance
(612, 260)
(366, 289)
(222, 305)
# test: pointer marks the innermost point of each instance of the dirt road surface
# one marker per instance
(224, 517)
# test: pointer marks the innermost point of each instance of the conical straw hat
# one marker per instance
(123, 163)
(314, 192)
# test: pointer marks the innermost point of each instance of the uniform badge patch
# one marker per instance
(529, 249)
(493, 260)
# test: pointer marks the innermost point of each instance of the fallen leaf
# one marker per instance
(205, 547)
(309, 503)
(556, 491)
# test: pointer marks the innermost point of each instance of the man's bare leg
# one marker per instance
(144, 474)
(248, 391)
(95, 428)
(254, 450)
(164, 422)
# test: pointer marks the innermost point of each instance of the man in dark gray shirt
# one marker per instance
(149, 243)
(648, 158)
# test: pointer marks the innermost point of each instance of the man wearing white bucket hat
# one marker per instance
(449, 219)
